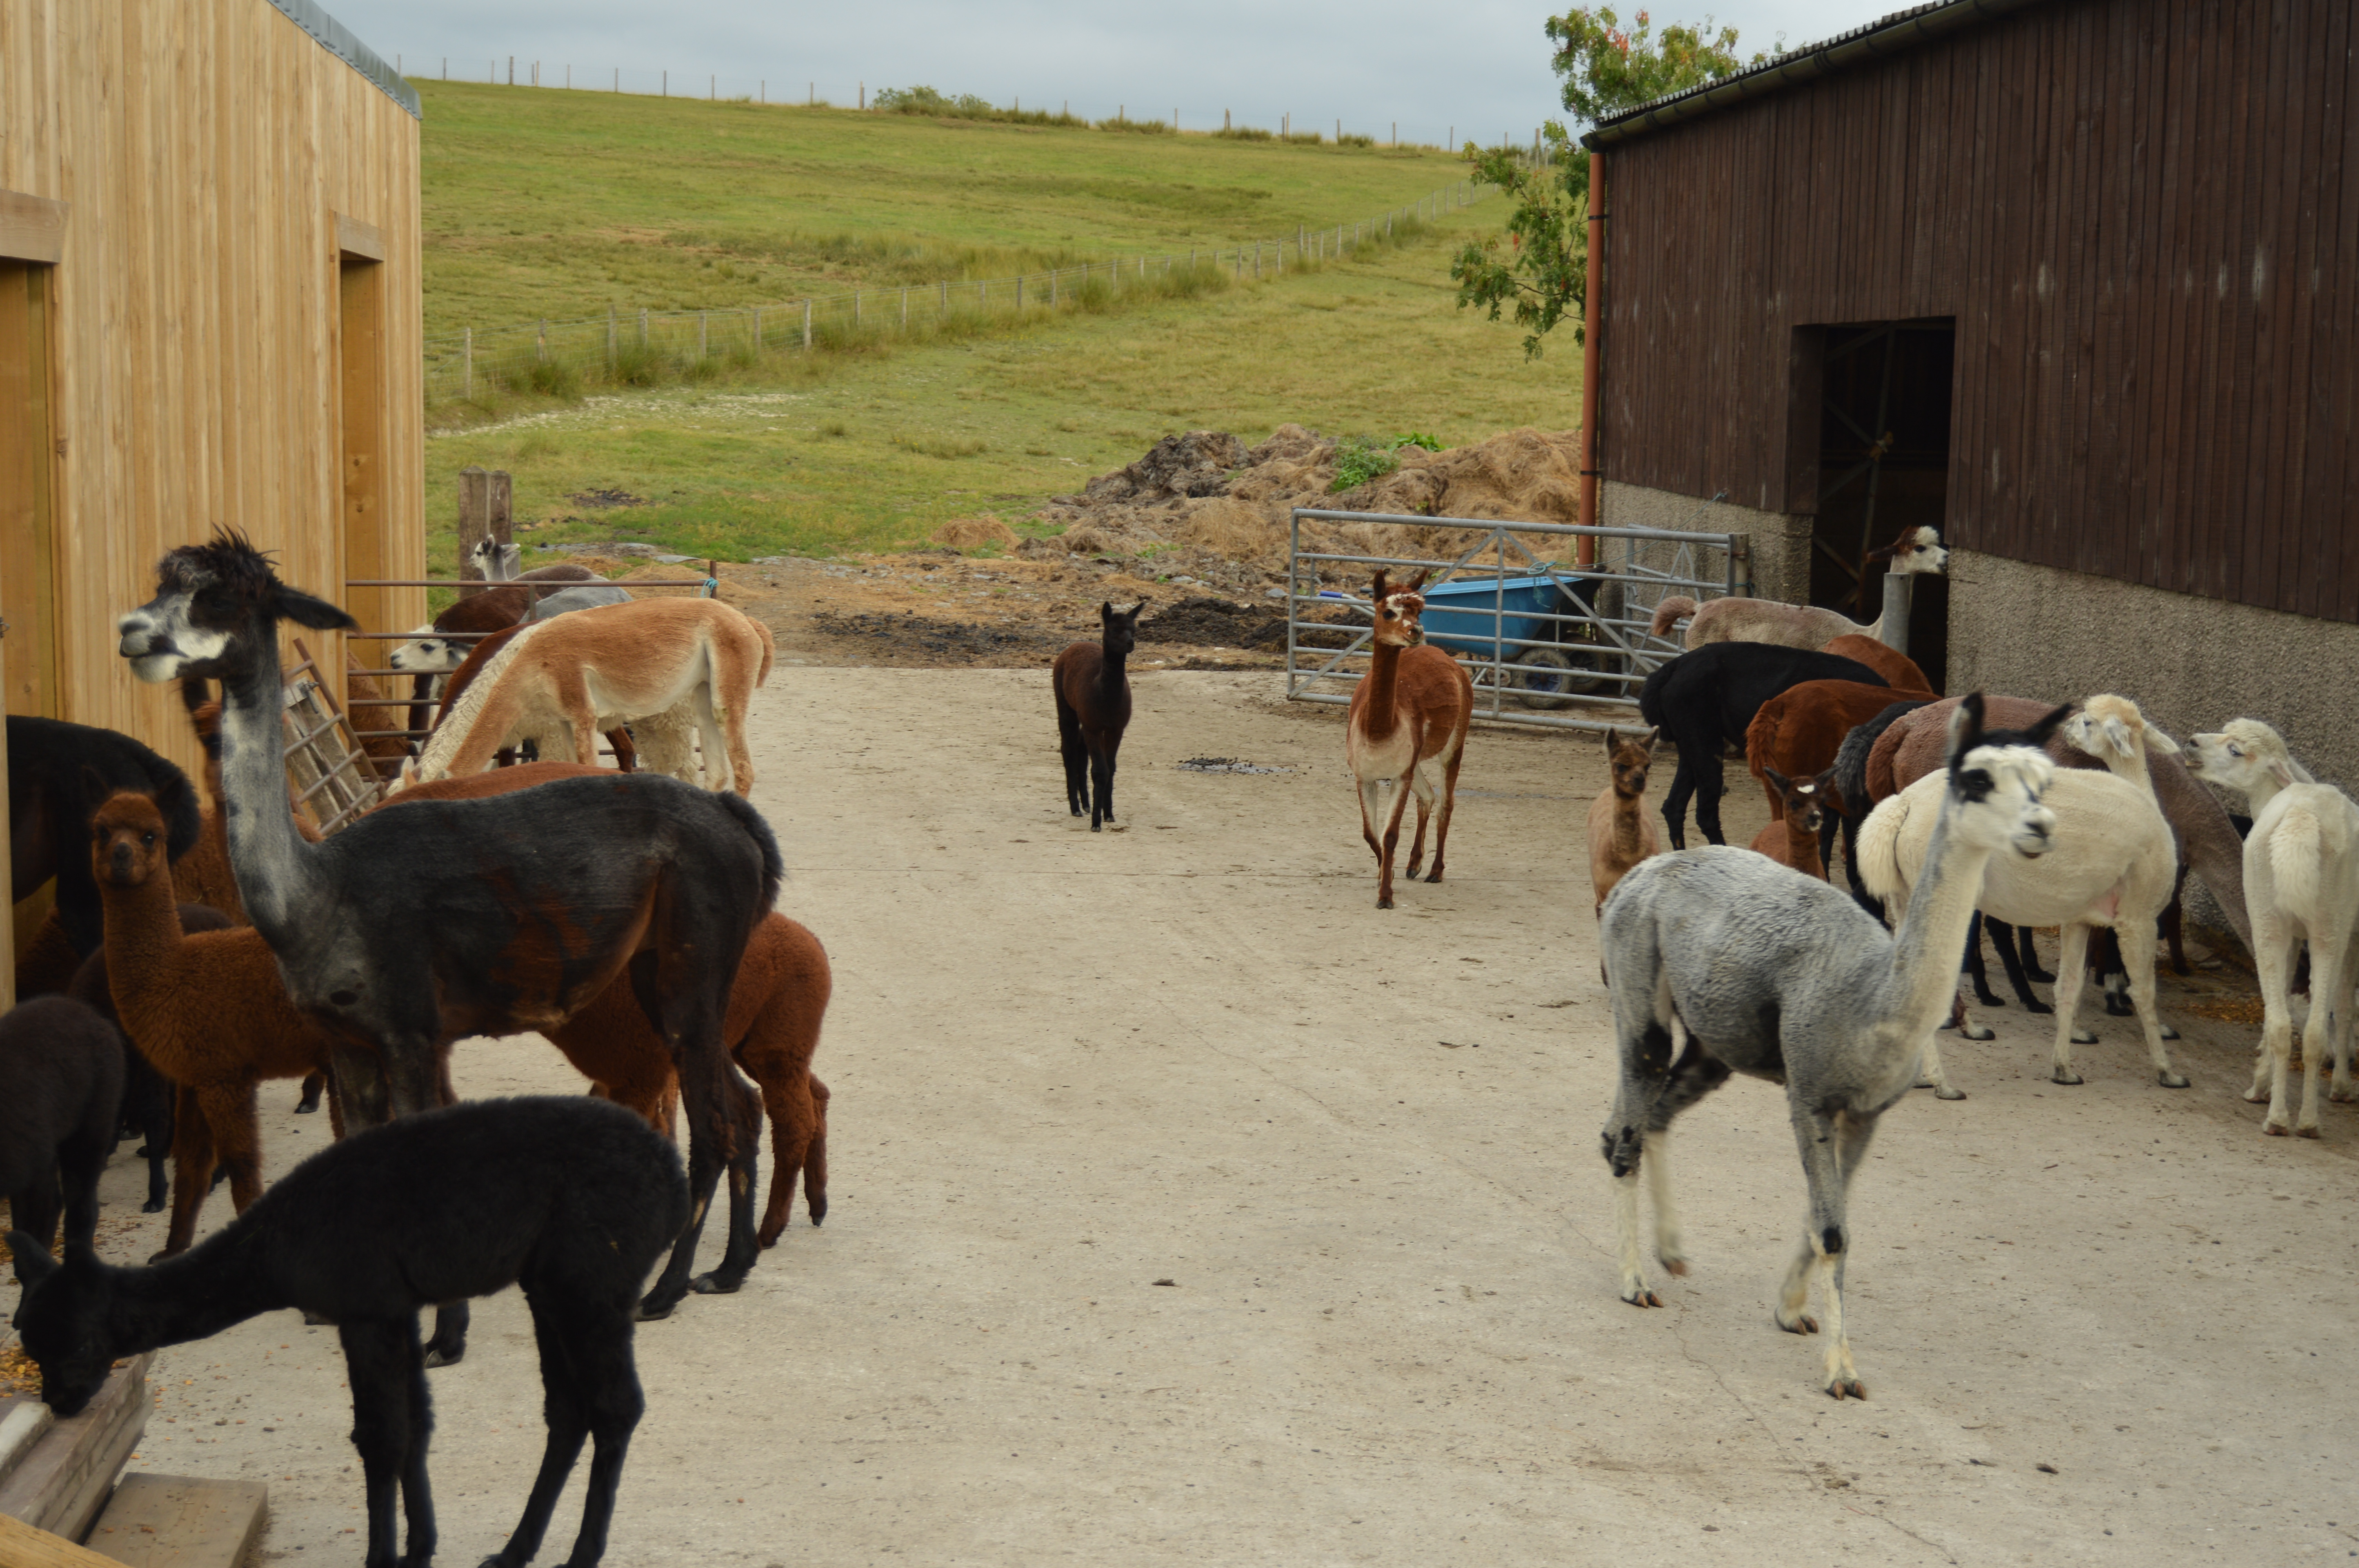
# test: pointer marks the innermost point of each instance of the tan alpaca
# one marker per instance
(1408, 722)
(1793, 839)
(1622, 831)
(595, 669)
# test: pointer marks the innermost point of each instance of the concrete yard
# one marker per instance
(1186, 1208)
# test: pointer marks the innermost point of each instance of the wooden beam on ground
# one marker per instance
(181, 1522)
(23, 1546)
(66, 1477)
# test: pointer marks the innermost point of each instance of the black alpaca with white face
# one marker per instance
(410, 929)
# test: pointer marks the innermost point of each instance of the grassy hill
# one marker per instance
(876, 449)
(545, 203)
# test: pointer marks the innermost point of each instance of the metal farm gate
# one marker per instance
(1549, 641)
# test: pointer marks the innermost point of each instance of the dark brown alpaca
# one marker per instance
(1409, 717)
(1793, 839)
(1092, 709)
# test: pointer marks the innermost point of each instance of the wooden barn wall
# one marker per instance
(205, 148)
(2144, 215)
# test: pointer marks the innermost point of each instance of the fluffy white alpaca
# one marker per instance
(2301, 880)
(2115, 864)
(1735, 619)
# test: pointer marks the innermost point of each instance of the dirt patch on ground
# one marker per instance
(1216, 623)
(905, 638)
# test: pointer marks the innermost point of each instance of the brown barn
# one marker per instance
(2076, 281)
(209, 314)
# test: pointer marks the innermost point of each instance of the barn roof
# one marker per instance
(1900, 31)
(340, 40)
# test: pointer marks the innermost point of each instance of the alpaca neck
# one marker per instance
(1629, 826)
(1802, 848)
(142, 939)
(277, 879)
(1923, 981)
(219, 1283)
(2264, 789)
(1113, 678)
(1381, 712)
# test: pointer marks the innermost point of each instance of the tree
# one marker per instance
(1540, 264)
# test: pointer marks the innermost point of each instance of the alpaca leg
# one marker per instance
(1626, 1222)
(794, 1124)
(448, 1345)
(2273, 961)
(2330, 988)
(2016, 955)
(1420, 781)
(1670, 1249)
(563, 1413)
(192, 1172)
(1973, 964)
(1710, 781)
(2342, 1092)
(34, 1209)
(815, 1157)
(1676, 798)
(2071, 972)
(1102, 757)
(686, 1008)
(234, 1118)
(613, 1403)
(1076, 757)
(744, 1248)
(1372, 811)
(1393, 810)
(381, 1363)
(1828, 1142)
(1449, 806)
(310, 1101)
(2137, 956)
(2030, 958)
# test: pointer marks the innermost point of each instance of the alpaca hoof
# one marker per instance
(1943, 1091)
(2063, 1076)
(305, 1108)
(717, 1283)
(1851, 1386)
(1641, 1296)
(2256, 1097)
(2167, 1033)
(817, 1209)
(153, 1205)
(2084, 1037)
(2311, 1131)
(1805, 1323)
(1676, 1266)
(2274, 1129)
(1977, 1032)
(2343, 1097)
(655, 1309)
(2038, 1007)
(1384, 904)
(436, 1356)
(314, 1320)
(2171, 1080)
(1095, 825)
(1436, 876)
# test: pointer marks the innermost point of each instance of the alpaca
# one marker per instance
(2113, 865)
(1706, 700)
(61, 1082)
(498, 564)
(1735, 620)
(409, 929)
(1793, 841)
(1408, 720)
(668, 742)
(1799, 731)
(569, 1197)
(1780, 977)
(2301, 873)
(1848, 796)
(46, 814)
(1899, 671)
(1621, 833)
(207, 1010)
(1093, 694)
(2112, 729)
(147, 1095)
(2208, 842)
(596, 668)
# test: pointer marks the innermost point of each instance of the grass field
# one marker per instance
(547, 202)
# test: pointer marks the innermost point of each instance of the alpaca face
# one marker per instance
(1804, 798)
(1630, 759)
(210, 600)
(496, 561)
(2238, 755)
(1994, 798)
(2111, 727)
(1120, 626)
(1920, 551)
(127, 841)
(61, 1318)
(429, 655)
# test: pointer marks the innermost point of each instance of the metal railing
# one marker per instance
(1547, 641)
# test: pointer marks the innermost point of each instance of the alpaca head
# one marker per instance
(2242, 753)
(2111, 729)
(1994, 790)
(216, 611)
(64, 1317)
(496, 561)
(1629, 756)
(128, 839)
(1397, 611)
(1918, 549)
(1806, 799)
(1121, 627)
(429, 655)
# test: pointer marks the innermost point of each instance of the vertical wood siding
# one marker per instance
(2143, 214)
(205, 147)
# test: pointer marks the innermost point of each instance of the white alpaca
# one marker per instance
(1735, 619)
(2112, 729)
(2115, 864)
(2301, 880)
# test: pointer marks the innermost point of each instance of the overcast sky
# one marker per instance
(1476, 67)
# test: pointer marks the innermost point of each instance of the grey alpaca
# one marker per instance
(1781, 976)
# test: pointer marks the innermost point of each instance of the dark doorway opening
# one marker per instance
(1884, 462)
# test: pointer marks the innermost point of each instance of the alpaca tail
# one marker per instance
(1761, 736)
(757, 828)
(1877, 849)
(769, 651)
(1669, 613)
(2297, 849)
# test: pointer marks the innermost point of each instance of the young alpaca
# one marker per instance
(2115, 865)
(1093, 694)
(1409, 719)
(1793, 839)
(1785, 978)
(2113, 730)
(573, 1198)
(2302, 875)
(1620, 831)
(60, 1079)
(1735, 620)
(410, 929)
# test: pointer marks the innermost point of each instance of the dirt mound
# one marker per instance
(915, 637)
(976, 533)
(1207, 491)
(1215, 623)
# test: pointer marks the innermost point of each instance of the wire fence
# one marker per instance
(645, 347)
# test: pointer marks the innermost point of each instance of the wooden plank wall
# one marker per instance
(204, 149)
(2144, 215)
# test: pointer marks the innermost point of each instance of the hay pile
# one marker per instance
(1224, 503)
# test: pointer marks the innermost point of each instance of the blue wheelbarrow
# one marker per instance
(1489, 619)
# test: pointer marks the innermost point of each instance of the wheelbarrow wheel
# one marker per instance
(1545, 679)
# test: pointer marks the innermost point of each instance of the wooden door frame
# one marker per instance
(362, 437)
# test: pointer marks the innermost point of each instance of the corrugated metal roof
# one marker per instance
(339, 40)
(1900, 31)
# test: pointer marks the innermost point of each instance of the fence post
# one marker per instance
(1020, 294)
(807, 305)
(643, 328)
(1740, 565)
(1052, 288)
(905, 307)
(541, 344)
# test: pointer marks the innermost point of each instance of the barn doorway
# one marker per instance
(361, 387)
(1884, 462)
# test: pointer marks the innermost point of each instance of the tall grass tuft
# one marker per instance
(1246, 133)
(1144, 127)
(941, 106)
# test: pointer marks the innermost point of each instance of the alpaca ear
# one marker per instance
(1106, 612)
(309, 609)
(1613, 740)
(34, 1263)
(1132, 614)
(2117, 734)
(1379, 592)
(2281, 770)
(1777, 781)
(1966, 726)
(2156, 741)
(1416, 583)
(96, 791)
(1648, 739)
(2038, 733)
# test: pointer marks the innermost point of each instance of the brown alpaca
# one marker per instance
(368, 707)
(1409, 719)
(1622, 831)
(1793, 839)
(208, 1010)
(1898, 670)
(776, 1008)
(1799, 731)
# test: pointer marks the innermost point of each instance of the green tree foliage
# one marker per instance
(1540, 264)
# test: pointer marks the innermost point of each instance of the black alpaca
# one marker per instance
(147, 1095)
(1092, 709)
(413, 928)
(573, 1198)
(1851, 805)
(61, 1082)
(48, 818)
(1702, 701)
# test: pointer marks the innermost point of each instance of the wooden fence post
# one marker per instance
(807, 305)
